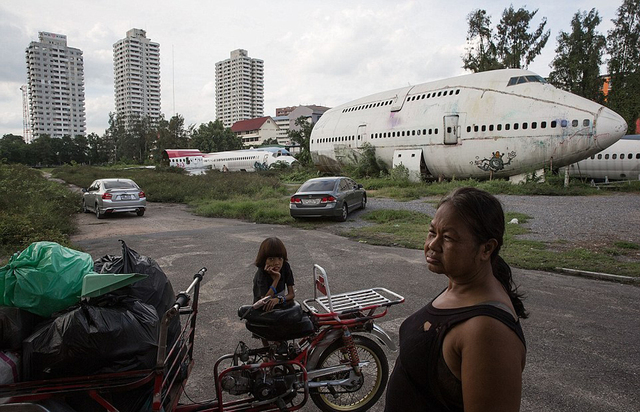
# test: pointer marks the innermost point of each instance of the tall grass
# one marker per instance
(33, 209)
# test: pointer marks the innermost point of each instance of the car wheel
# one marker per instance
(345, 213)
(84, 207)
(364, 202)
(140, 212)
(98, 214)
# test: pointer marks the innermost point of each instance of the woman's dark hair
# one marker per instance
(270, 247)
(482, 213)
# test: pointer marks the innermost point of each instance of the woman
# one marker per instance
(465, 350)
(274, 276)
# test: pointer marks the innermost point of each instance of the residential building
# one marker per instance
(284, 111)
(136, 74)
(311, 112)
(254, 132)
(286, 119)
(55, 84)
(283, 129)
(239, 88)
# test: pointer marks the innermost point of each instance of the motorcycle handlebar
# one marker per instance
(183, 297)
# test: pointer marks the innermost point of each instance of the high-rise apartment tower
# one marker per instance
(136, 73)
(239, 88)
(55, 82)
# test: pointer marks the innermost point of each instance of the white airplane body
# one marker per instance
(492, 124)
(247, 160)
(620, 161)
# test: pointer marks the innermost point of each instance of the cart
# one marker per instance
(165, 382)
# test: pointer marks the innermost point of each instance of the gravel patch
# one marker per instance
(586, 221)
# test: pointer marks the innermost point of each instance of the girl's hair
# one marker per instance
(483, 215)
(270, 247)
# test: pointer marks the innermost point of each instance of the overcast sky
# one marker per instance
(324, 52)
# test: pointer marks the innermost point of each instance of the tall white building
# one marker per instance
(55, 84)
(239, 88)
(136, 73)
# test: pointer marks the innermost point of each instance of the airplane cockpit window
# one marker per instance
(526, 79)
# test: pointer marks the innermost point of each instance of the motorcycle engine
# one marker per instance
(237, 382)
(262, 383)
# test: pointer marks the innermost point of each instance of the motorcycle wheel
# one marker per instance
(359, 397)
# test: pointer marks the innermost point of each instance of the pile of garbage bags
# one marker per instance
(48, 331)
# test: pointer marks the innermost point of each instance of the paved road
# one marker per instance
(583, 335)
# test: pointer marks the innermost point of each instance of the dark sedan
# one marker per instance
(328, 196)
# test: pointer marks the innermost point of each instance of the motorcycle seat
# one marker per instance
(285, 322)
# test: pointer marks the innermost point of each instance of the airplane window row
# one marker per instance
(525, 125)
(525, 79)
(434, 94)
(615, 156)
(367, 106)
(337, 139)
(383, 135)
(404, 133)
(235, 158)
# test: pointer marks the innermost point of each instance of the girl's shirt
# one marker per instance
(262, 282)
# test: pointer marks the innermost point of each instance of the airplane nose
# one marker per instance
(610, 127)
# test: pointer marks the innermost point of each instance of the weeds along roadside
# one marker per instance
(32, 209)
(263, 198)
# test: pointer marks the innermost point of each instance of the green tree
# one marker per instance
(45, 150)
(481, 52)
(576, 67)
(214, 137)
(516, 48)
(114, 137)
(270, 141)
(13, 149)
(171, 135)
(97, 149)
(623, 45)
(302, 136)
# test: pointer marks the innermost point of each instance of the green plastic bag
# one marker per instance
(44, 278)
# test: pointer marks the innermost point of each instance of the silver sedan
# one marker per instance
(113, 196)
(328, 196)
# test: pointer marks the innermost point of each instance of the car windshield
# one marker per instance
(317, 186)
(119, 185)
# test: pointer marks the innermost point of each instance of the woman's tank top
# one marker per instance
(421, 380)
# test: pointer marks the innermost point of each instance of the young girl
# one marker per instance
(274, 276)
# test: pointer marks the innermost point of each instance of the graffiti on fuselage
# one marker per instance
(495, 163)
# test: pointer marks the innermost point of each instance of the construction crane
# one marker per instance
(26, 123)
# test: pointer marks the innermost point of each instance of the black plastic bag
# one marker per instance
(155, 289)
(15, 325)
(110, 334)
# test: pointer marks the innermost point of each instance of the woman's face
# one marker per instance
(450, 247)
(274, 263)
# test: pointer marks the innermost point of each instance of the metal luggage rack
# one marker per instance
(346, 302)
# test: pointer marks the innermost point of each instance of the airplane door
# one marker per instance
(451, 129)
(361, 137)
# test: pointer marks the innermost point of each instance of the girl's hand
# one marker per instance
(275, 276)
(271, 304)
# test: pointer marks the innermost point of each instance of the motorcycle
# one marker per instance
(328, 349)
